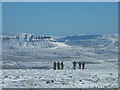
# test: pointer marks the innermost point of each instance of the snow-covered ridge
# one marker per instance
(26, 37)
(111, 39)
(30, 40)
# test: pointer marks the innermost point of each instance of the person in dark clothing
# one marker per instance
(74, 65)
(83, 66)
(54, 65)
(58, 65)
(62, 65)
(79, 65)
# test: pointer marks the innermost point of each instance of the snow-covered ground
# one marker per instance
(27, 61)
(37, 78)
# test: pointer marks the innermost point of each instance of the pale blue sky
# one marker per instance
(52, 18)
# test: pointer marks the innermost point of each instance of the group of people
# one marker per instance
(80, 65)
(59, 65)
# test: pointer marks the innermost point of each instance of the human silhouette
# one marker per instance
(79, 65)
(62, 65)
(83, 66)
(74, 65)
(54, 65)
(58, 65)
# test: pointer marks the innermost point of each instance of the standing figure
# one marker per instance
(54, 65)
(79, 65)
(83, 66)
(74, 65)
(62, 65)
(58, 65)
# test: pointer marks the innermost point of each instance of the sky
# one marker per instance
(60, 18)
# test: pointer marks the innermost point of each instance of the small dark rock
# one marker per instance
(35, 84)
(63, 83)
(80, 80)
(47, 82)
(52, 81)
(17, 77)
(110, 74)
(82, 83)
(6, 76)
(113, 79)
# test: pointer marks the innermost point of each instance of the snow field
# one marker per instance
(38, 78)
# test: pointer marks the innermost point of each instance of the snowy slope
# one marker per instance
(32, 56)
(96, 46)
(22, 47)
(19, 48)
(91, 40)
